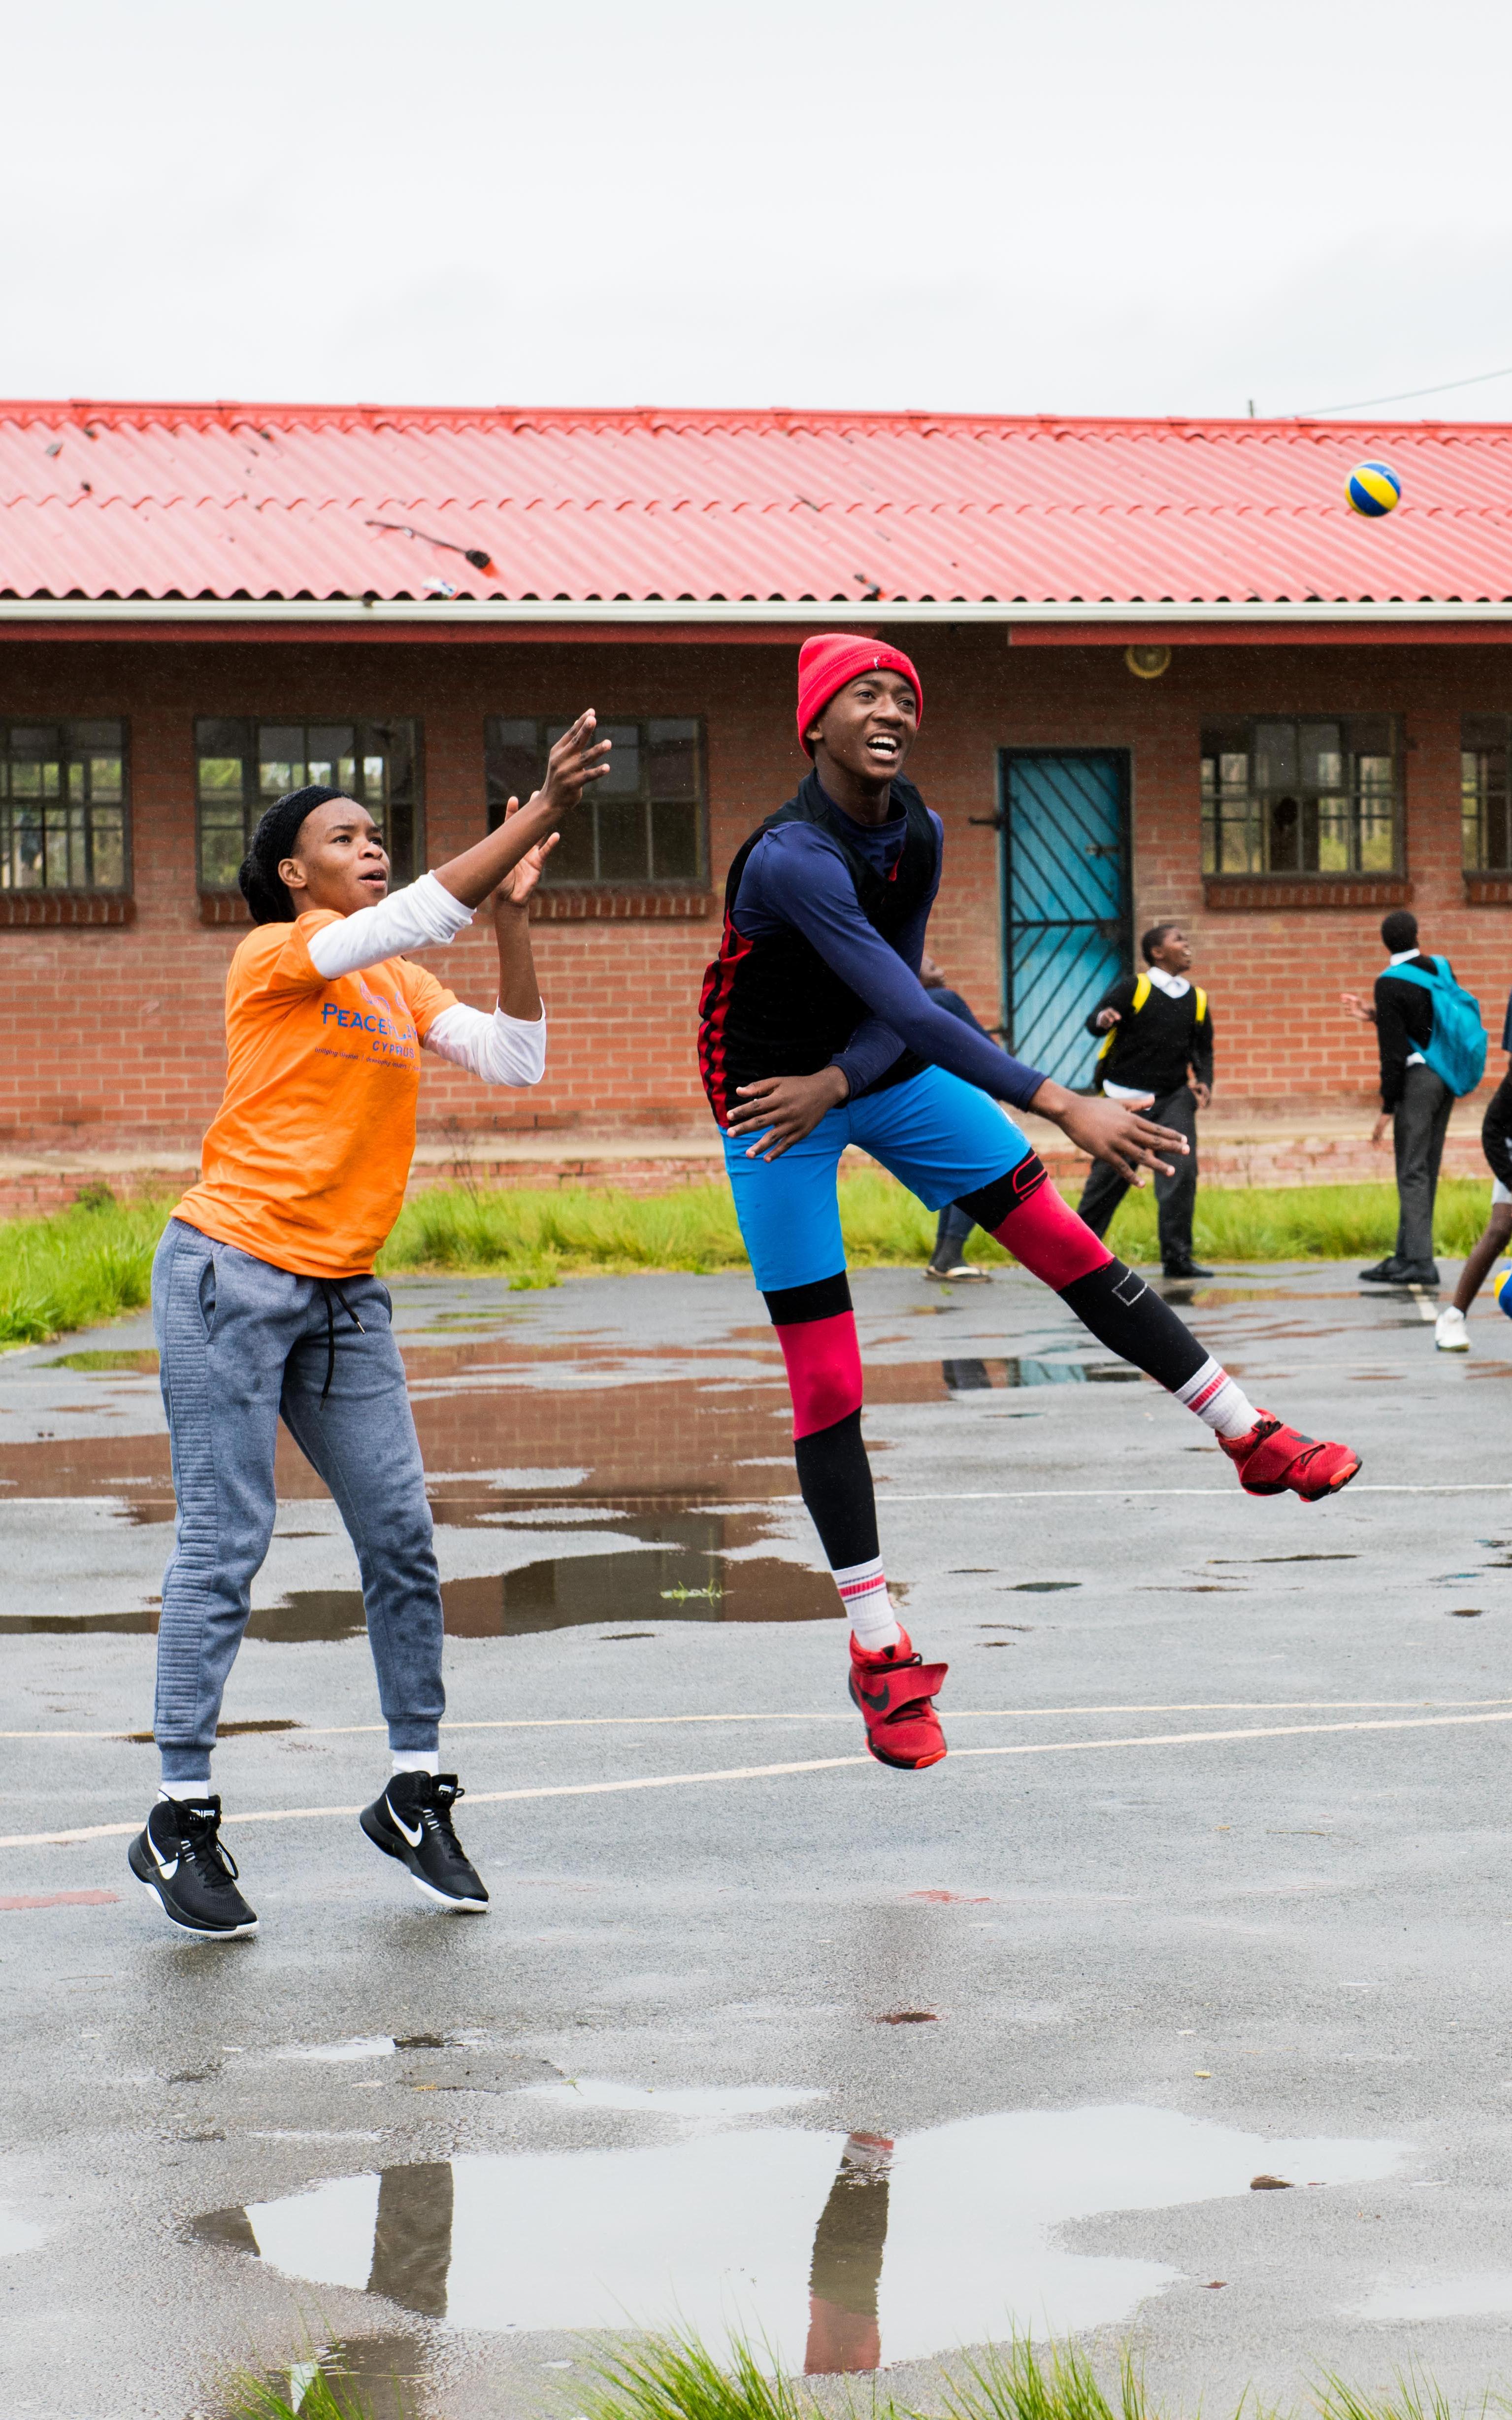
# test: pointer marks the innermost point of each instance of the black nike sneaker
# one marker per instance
(412, 1821)
(179, 1862)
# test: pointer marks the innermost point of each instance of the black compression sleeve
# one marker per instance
(835, 1481)
(1125, 1314)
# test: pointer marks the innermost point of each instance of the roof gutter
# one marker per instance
(725, 614)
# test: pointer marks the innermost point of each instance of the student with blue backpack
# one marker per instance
(1432, 1050)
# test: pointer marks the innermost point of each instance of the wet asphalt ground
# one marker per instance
(1213, 1886)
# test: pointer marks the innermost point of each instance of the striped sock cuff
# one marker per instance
(1218, 1401)
(863, 1592)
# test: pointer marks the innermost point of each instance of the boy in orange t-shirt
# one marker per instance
(264, 1304)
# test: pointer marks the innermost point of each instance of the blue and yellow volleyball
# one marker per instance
(1373, 489)
(1503, 1291)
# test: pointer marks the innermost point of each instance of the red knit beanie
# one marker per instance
(825, 666)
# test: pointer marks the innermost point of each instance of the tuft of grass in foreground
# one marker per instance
(673, 2375)
(91, 1262)
(312, 2396)
(78, 1267)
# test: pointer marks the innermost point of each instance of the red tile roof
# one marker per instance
(228, 501)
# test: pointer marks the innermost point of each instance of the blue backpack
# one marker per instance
(1456, 1054)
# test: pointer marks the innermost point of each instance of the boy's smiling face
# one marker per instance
(867, 729)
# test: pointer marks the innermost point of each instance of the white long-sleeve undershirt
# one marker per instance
(423, 915)
(501, 1049)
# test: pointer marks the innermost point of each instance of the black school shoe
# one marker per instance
(179, 1862)
(412, 1821)
(1187, 1269)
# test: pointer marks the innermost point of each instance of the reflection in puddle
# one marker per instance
(836, 2251)
(969, 1377)
(672, 1584)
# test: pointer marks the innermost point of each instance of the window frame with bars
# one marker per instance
(406, 859)
(1330, 815)
(68, 816)
(1483, 801)
(563, 871)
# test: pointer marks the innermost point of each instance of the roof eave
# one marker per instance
(179, 613)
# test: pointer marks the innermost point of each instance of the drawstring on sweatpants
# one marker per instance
(328, 1287)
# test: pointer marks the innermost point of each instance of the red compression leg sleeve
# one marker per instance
(1046, 1235)
(824, 1366)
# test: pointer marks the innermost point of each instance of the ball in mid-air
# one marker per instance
(1504, 1291)
(1373, 489)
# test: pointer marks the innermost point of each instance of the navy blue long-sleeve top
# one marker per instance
(797, 876)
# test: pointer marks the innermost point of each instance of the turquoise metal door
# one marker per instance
(1065, 825)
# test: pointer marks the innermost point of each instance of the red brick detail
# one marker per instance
(569, 907)
(1488, 890)
(223, 907)
(58, 907)
(1271, 890)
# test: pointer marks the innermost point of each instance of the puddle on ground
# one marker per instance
(969, 1376)
(686, 1566)
(835, 2252)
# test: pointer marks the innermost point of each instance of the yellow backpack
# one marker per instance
(1141, 993)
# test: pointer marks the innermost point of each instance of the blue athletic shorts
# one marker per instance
(938, 1136)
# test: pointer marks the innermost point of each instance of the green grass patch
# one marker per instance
(76, 1268)
(673, 2376)
(89, 1264)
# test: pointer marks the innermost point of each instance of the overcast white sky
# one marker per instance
(1090, 206)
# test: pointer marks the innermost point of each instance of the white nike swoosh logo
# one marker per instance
(166, 1872)
(413, 1837)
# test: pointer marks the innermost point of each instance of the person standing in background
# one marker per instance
(948, 1259)
(1415, 1102)
(1158, 1053)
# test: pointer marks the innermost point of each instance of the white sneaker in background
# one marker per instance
(1450, 1334)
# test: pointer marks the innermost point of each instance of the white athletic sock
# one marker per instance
(417, 1759)
(199, 1789)
(1216, 1399)
(863, 1592)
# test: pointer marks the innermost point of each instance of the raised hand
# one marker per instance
(576, 759)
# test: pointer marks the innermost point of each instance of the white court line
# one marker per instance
(843, 1715)
(763, 1772)
(1025, 1494)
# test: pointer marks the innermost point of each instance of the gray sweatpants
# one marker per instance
(241, 1343)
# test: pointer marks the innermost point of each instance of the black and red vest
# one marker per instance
(772, 1006)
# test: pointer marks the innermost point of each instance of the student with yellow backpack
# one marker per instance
(1157, 1052)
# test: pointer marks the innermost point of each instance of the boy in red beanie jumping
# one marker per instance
(815, 1031)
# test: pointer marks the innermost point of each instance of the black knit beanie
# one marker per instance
(278, 829)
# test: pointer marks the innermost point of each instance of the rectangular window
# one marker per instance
(642, 824)
(245, 764)
(1485, 823)
(64, 818)
(1305, 796)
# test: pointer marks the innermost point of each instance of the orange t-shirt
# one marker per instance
(309, 1154)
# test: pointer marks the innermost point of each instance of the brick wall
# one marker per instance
(113, 1034)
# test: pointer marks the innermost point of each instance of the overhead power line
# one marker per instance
(1409, 394)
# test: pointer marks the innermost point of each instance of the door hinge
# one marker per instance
(991, 823)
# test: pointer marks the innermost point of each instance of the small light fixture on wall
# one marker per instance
(1148, 663)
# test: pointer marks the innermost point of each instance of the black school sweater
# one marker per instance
(1404, 1022)
(1151, 1052)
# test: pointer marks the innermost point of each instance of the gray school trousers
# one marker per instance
(241, 1343)
(1418, 1129)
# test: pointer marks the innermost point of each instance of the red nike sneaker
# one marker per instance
(1271, 1457)
(895, 1691)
